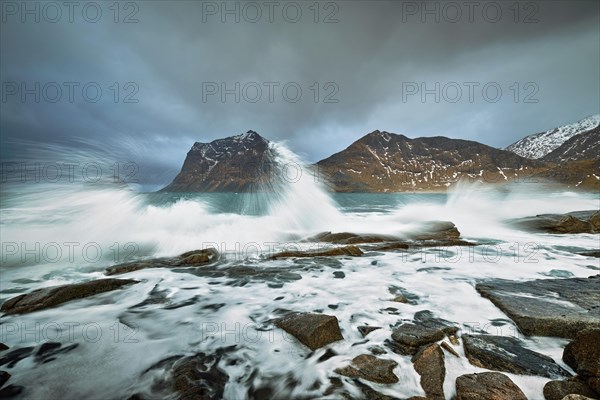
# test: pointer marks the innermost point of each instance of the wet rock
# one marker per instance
(557, 390)
(371, 394)
(507, 354)
(576, 397)
(487, 386)
(377, 350)
(548, 307)
(336, 251)
(436, 230)
(10, 391)
(583, 353)
(199, 378)
(429, 363)
(391, 246)
(199, 257)
(194, 258)
(400, 299)
(138, 265)
(402, 295)
(366, 329)
(370, 368)
(48, 351)
(4, 376)
(195, 377)
(3, 347)
(590, 253)
(449, 349)
(349, 238)
(339, 275)
(313, 330)
(574, 222)
(53, 296)
(11, 358)
(425, 329)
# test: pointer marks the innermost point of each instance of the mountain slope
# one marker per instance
(540, 144)
(584, 146)
(233, 164)
(383, 161)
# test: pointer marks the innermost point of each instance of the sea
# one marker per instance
(56, 234)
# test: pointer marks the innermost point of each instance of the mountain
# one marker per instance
(232, 164)
(580, 174)
(584, 146)
(540, 144)
(383, 161)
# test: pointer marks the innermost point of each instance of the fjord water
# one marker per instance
(119, 339)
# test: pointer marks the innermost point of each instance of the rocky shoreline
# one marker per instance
(567, 308)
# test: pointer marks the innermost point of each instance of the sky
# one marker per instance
(142, 81)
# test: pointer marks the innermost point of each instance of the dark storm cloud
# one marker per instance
(370, 57)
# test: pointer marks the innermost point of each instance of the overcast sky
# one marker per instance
(373, 59)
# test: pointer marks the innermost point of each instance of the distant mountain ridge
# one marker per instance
(387, 162)
(384, 161)
(538, 145)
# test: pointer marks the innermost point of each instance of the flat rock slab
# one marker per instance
(352, 251)
(487, 386)
(194, 258)
(548, 307)
(573, 222)
(371, 368)
(312, 330)
(507, 354)
(429, 364)
(53, 296)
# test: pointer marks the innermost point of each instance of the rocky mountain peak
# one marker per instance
(232, 164)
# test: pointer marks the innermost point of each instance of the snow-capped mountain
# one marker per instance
(232, 164)
(540, 144)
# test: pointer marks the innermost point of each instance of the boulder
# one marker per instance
(487, 386)
(557, 390)
(313, 330)
(507, 354)
(425, 329)
(436, 230)
(335, 251)
(3, 347)
(199, 257)
(370, 368)
(583, 353)
(429, 364)
(56, 295)
(576, 397)
(547, 307)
